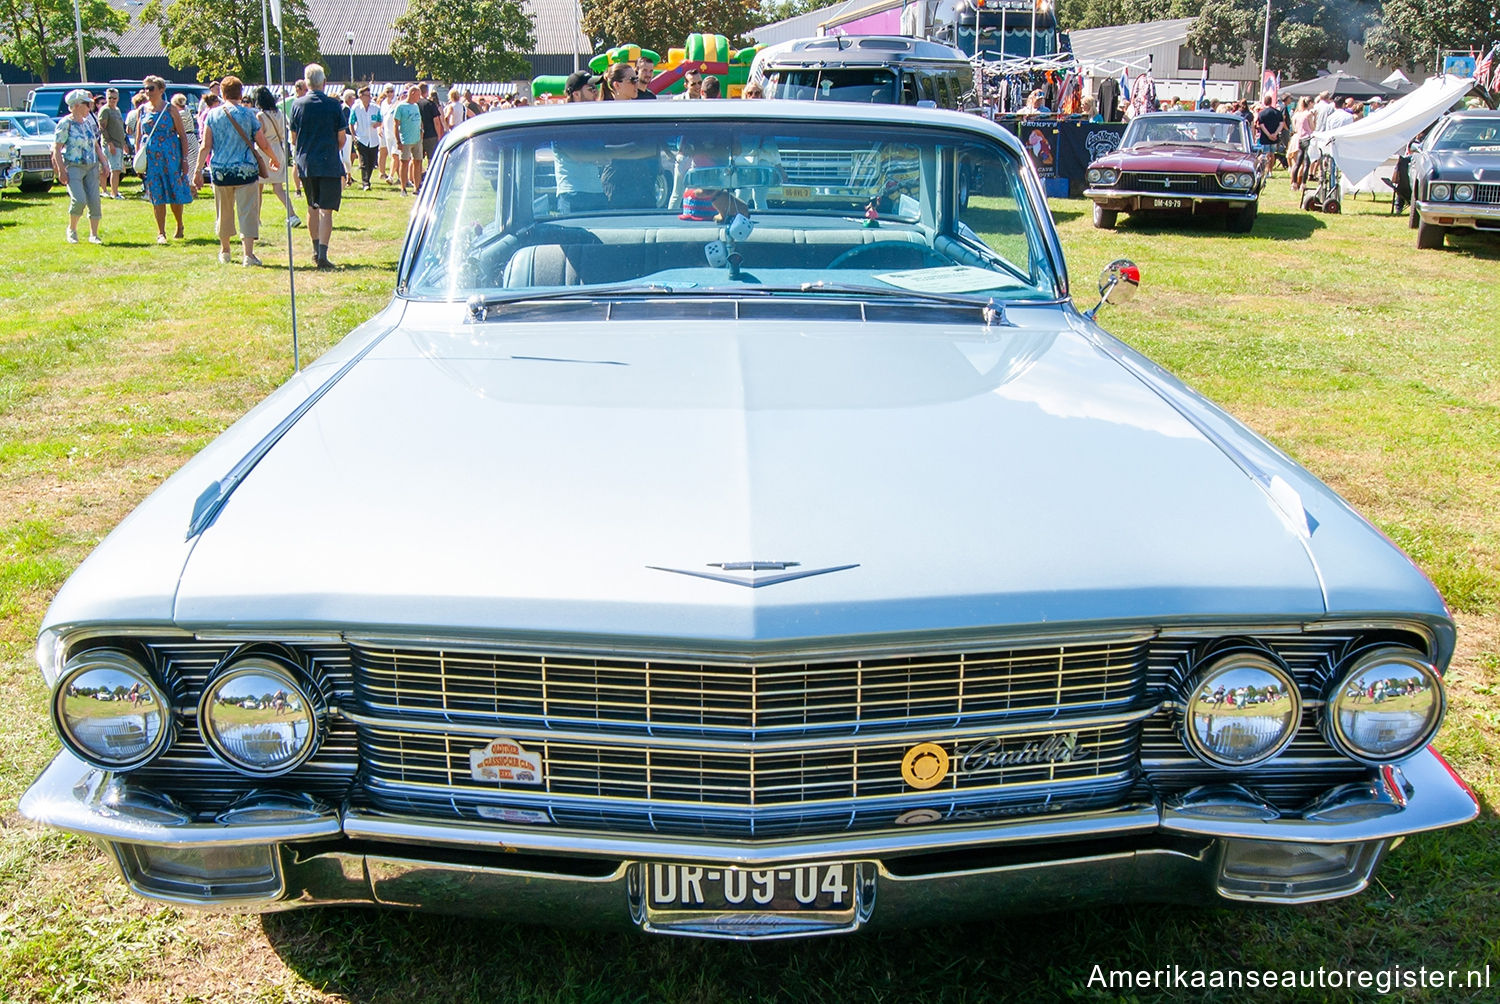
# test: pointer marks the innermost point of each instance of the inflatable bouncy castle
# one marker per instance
(711, 53)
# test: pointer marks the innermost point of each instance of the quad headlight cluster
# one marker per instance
(257, 714)
(1103, 176)
(1237, 179)
(1245, 708)
(1441, 191)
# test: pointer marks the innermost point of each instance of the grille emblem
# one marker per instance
(751, 573)
(505, 760)
(924, 766)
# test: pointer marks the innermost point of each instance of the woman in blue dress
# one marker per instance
(167, 164)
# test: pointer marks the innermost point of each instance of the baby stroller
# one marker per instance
(1324, 198)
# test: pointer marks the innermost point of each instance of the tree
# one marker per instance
(1306, 35)
(663, 26)
(1073, 15)
(456, 40)
(36, 34)
(223, 37)
(1410, 32)
(771, 11)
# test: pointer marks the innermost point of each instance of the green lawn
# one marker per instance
(1374, 364)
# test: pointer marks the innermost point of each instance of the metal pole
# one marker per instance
(265, 38)
(350, 36)
(1033, 27)
(1265, 48)
(291, 272)
(83, 67)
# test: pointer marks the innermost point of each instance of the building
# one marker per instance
(358, 30)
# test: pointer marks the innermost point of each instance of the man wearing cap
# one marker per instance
(579, 168)
(112, 128)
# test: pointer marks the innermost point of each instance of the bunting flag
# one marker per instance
(1271, 84)
(276, 13)
(1203, 85)
(1124, 87)
(1482, 71)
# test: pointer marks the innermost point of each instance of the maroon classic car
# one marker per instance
(1179, 162)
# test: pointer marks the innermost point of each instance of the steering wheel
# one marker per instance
(930, 258)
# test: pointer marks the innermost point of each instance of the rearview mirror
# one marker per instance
(738, 176)
(1117, 283)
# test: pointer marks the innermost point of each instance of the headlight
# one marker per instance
(1237, 180)
(1388, 706)
(1439, 192)
(1108, 176)
(1093, 175)
(259, 718)
(109, 710)
(1243, 709)
(1464, 193)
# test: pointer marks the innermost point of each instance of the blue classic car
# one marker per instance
(727, 530)
(1455, 176)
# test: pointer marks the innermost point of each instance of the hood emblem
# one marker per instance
(754, 574)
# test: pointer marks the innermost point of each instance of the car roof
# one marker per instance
(862, 50)
(1194, 116)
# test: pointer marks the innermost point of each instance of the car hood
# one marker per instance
(1175, 157)
(555, 477)
(1464, 166)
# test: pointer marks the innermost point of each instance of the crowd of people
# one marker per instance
(307, 145)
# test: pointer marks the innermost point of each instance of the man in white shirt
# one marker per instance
(692, 83)
(1340, 117)
(1322, 108)
(364, 122)
(388, 150)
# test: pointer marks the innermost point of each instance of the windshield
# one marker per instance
(871, 85)
(748, 202)
(1218, 130)
(1017, 40)
(34, 125)
(1471, 135)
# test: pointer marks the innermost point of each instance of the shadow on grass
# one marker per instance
(1439, 881)
(1293, 226)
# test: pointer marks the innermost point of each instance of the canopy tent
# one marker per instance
(1363, 145)
(1339, 84)
(1398, 82)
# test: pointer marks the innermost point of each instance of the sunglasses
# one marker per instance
(629, 80)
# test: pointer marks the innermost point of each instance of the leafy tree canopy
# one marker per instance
(37, 33)
(224, 37)
(458, 40)
(1410, 32)
(663, 26)
(1306, 35)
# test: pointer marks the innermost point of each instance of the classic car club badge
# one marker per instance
(505, 760)
(924, 766)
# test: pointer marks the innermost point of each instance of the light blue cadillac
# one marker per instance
(730, 530)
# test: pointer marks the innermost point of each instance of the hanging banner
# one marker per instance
(276, 13)
(1064, 148)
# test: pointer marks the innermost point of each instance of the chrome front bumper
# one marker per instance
(1458, 214)
(1113, 198)
(1213, 846)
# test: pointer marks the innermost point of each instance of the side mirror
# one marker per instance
(1117, 283)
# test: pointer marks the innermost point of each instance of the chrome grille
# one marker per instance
(748, 697)
(1170, 184)
(36, 162)
(1487, 194)
(739, 786)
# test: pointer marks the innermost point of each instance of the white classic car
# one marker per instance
(728, 530)
(29, 139)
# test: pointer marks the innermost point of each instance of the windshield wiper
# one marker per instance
(480, 305)
(992, 308)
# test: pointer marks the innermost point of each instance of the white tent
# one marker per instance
(1363, 145)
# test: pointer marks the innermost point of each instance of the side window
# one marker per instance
(925, 82)
(991, 210)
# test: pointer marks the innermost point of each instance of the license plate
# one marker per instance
(791, 192)
(1169, 203)
(810, 888)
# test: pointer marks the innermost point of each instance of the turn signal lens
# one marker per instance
(1243, 710)
(1387, 707)
(110, 711)
(259, 718)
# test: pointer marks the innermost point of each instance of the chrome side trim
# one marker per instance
(437, 726)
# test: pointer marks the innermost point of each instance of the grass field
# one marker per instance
(1374, 364)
